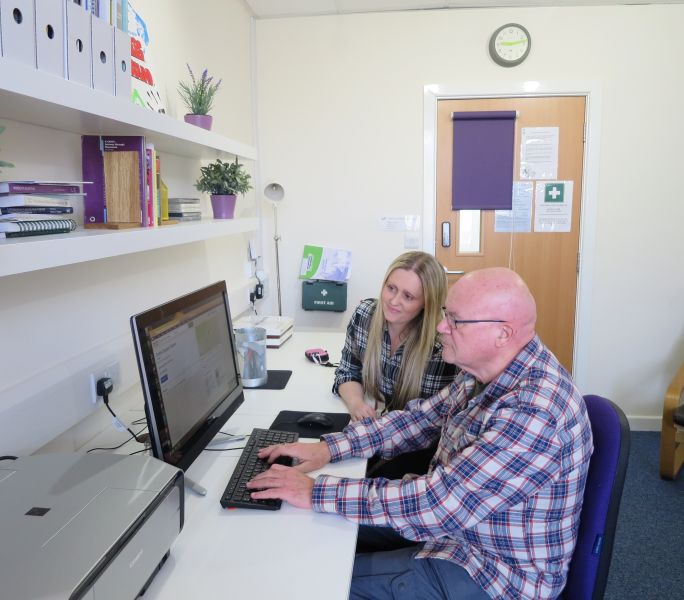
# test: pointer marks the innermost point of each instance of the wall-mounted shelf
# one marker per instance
(23, 255)
(32, 96)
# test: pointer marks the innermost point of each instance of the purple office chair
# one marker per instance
(590, 563)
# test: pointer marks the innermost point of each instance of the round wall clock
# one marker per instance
(509, 45)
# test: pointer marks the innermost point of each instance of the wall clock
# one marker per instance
(509, 45)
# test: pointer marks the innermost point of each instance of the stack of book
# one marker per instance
(36, 207)
(185, 209)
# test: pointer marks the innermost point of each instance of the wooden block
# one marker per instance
(122, 187)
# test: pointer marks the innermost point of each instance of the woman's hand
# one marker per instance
(351, 393)
(361, 410)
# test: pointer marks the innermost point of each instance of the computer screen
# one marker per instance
(188, 370)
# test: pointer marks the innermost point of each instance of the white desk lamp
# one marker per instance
(275, 193)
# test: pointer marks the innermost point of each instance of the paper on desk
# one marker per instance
(331, 264)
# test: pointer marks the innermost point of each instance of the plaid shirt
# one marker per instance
(504, 490)
(436, 376)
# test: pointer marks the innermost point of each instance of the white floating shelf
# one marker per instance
(32, 96)
(32, 253)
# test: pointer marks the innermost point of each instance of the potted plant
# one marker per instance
(198, 96)
(223, 181)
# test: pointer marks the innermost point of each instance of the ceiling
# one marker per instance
(265, 9)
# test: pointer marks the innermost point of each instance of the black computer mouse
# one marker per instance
(315, 421)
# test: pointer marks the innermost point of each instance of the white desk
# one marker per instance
(289, 553)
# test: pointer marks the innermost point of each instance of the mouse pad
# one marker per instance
(277, 380)
(287, 421)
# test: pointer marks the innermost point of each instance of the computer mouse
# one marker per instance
(315, 420)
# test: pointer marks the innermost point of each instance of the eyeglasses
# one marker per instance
(454, 323)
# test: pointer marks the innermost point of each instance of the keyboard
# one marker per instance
(236, 494)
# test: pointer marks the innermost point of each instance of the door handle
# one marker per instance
(446, 234)
(454, 272)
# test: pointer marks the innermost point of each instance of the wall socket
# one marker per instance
(111, 370)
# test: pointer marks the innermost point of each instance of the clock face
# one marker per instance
(510, 44)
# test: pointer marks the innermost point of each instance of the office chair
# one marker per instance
(590, 563)
(672, 428)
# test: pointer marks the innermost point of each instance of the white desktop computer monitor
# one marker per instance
(188, 370)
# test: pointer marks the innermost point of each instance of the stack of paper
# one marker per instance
(278, 329)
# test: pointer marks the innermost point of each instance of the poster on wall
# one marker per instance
(553, 207)
(144, 89)
(539, 153)
(518, 220)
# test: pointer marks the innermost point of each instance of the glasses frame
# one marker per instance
(454, 323)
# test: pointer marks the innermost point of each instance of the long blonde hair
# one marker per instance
(421, 332)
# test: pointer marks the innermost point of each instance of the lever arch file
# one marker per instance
(18, 23)
(122, 64)
(50, 36)
(102, 39)
(79, 48)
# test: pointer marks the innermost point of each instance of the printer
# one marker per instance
(86, 526)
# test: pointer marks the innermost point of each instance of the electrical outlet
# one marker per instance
(111, 370)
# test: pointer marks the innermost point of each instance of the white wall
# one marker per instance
(340, 114)
(60, 324)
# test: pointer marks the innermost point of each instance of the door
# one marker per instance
(547, 261)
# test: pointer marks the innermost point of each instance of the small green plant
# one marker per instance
(4, 163)
(224, 178)
(198, 95)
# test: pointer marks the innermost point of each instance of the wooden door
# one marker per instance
(547, 262)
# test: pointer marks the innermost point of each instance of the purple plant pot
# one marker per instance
(223, 206)
(203, 121)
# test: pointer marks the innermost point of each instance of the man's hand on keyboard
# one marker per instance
(309, 456)
(285, 483)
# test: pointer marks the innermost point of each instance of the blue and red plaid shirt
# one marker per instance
(504, 490)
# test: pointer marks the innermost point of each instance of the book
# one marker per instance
(173, 207)
(31, 200)
(42, 225)
(164, 200)
(38, 187)
(37, 210)
(186, 217)
(28, 217)
(115, 164)
(151, 186)
(184, 200)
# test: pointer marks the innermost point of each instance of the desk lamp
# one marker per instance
(275, 193)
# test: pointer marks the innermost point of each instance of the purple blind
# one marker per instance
(482, 169)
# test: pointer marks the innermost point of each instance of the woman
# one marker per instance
(391, 353)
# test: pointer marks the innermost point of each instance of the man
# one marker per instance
(497, 513)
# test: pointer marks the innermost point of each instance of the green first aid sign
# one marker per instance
(554, 192)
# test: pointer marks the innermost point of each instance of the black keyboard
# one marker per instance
(236, 494)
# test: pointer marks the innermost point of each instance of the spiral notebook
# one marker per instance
(16, 228)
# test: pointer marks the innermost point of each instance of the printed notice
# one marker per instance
(539, 153)
(331, 264)
(519, 219)
(553, 207)
(399, 223)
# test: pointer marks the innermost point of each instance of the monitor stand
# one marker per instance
(195, 487)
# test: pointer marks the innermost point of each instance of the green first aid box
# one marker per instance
(324, 295)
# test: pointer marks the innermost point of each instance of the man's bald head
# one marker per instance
(498, 315)
(501, 292)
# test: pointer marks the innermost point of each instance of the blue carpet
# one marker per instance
(647, 560)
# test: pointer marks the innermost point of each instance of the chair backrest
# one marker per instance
(588, 572)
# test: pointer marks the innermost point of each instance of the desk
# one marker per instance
(289, 553)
